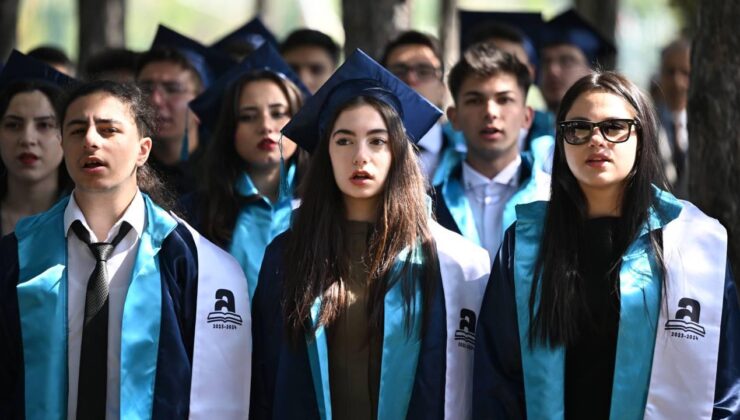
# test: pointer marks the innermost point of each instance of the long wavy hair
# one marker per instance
(223, 166)
(52, 94)
(317, 256)
(557, 272)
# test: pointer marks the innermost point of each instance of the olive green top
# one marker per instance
(354, 356)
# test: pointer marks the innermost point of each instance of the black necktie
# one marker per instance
(91, 391)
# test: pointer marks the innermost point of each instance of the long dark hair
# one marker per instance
(52, 94)
(317, 258)
(557, 270)
(223, 166)
(144, 117)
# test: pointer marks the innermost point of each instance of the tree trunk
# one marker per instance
(713, 115)
(260, 8)
(8, 20)
(369, 25)
(449, 34)
(603, 16)
(101, 27)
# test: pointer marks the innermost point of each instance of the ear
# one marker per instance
(452, 116)
(528, 117)
(145, 147)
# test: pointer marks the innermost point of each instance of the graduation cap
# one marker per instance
(254, 33)
(528, 24)
(208, 62)
(207, 105)
(22, 67)
(571, 28)
(360, 75)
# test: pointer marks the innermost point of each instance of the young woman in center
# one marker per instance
(615, 299)
(240, 204)
(366, 307)
(32, 177)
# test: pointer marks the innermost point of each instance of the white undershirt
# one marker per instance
(79, 267)
(488, 198)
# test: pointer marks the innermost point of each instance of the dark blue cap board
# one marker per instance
(254, 33)
(207, 105)
(360, 75)
(22, 67)
(210, 63)
(571, 28)
(529, 24)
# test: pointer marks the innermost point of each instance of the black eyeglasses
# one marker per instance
(423, 72)
(578, 132)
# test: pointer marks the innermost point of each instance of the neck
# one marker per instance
(103, 210)
(266, 180)
(361, 209)
(603, 202)
(24, 198)
(167, 151)
(491, 168)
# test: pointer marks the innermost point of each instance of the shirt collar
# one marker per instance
(507, 176)
(432, 140)
(135, 215)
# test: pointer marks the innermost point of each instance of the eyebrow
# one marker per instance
(580, 118)
(352, 133)
(41, 118)
(254, 107)
(478, 93)
(96, 120)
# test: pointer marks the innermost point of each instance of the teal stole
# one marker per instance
(640, 288)
(42, 302)
(257, 225)
(400, 352)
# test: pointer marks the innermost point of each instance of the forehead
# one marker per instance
(360, 118)
(563, 50)
(597, 105)
(306, 53)
(99, 105)
(412, 54)
(166, 71)
(263, 89)
(499, 82)
(32, 103)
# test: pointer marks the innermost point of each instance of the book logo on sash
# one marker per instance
(224, 316)
(465, 334)
(686, 324)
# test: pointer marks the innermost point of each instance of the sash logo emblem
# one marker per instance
(224, 314)
(465, 334)
(686, 323)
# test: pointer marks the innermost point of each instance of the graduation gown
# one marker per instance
(452, 207)
(425, 377)
(677, 347)
(185, 333)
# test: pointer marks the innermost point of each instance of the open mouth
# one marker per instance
(93, 163)
(360, 176)
(27, 158)
(490, 131)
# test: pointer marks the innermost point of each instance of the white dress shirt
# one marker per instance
(80, 265)
(487, 198)
(430, 147)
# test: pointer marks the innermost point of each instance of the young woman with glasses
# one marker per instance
(615, 299)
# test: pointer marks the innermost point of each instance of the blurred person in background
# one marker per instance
(56, 58)
(312, 54)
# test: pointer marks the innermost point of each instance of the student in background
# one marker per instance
(312, 54)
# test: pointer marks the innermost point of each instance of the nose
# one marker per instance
(492, 109)
(28, 136)
(360, 157)
(597, 138)
(267, 125)
(92, 138)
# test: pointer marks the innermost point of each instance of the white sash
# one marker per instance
(222, 350)
(684, 368)
(464, 268)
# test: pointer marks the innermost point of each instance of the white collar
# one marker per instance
(432, 141)
(507, 176)
(135, 215)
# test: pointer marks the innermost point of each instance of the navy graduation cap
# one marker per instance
(208, 62)
(529, 24)
(207, 105)
(570, 27)
(22, 67)
(254, 33)
(360, 75)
